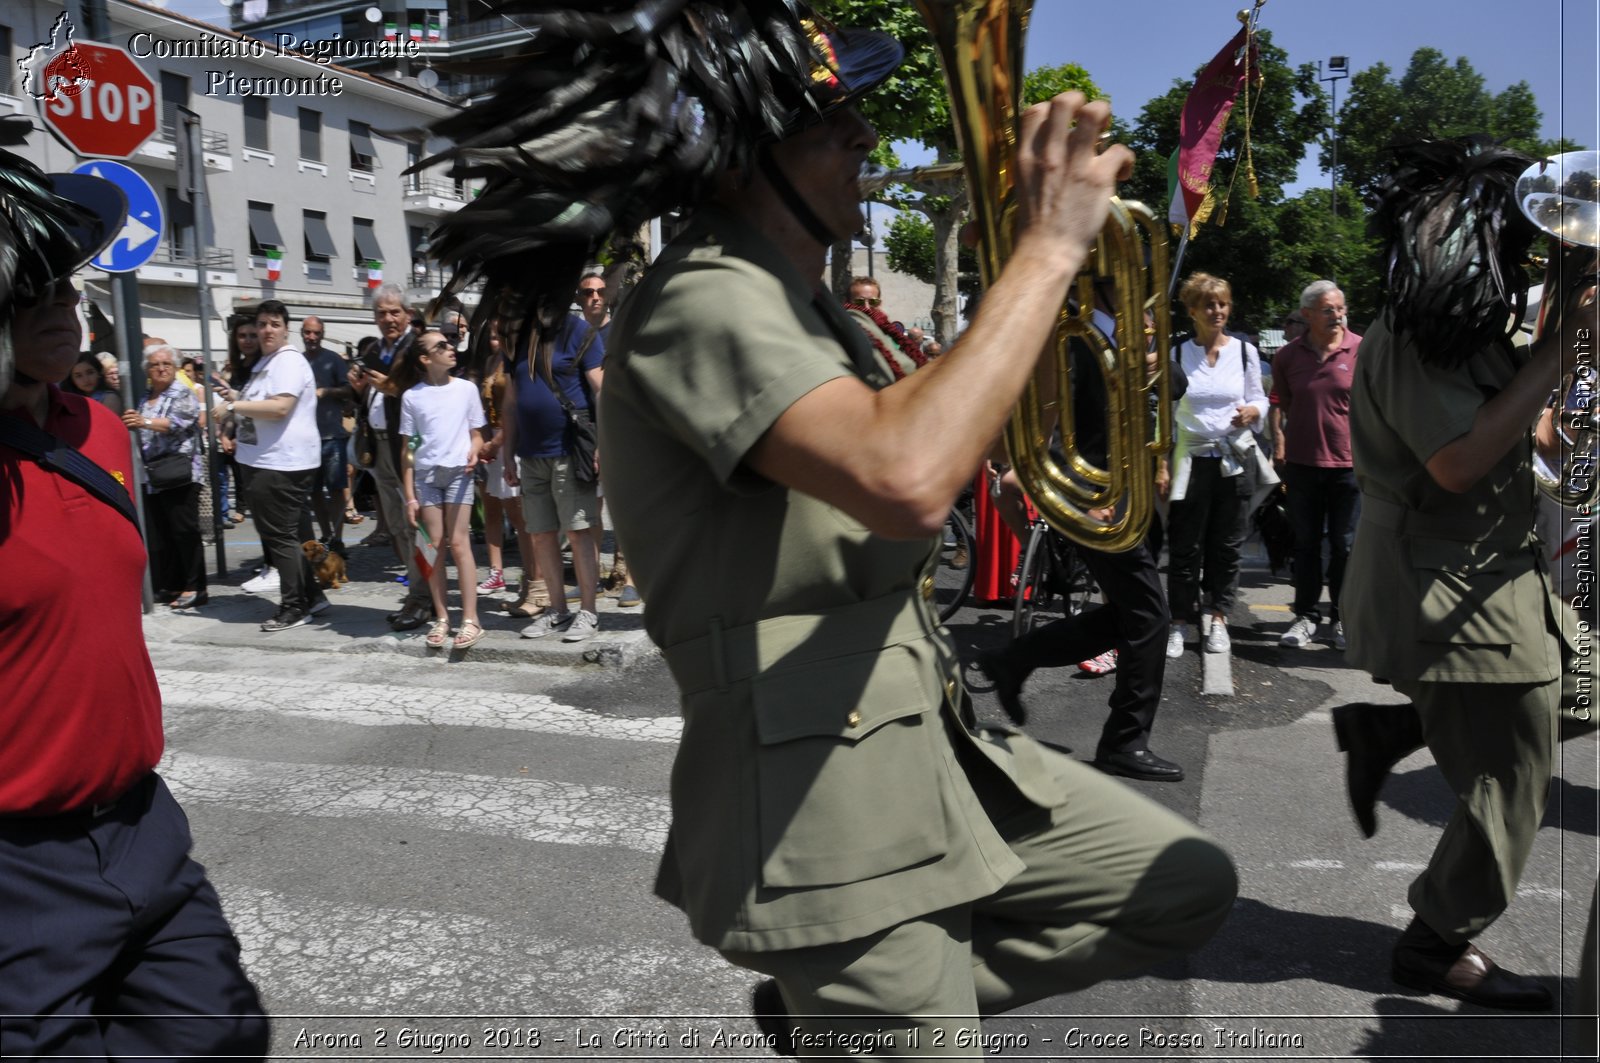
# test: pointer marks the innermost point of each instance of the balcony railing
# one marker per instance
(483, 27)
(442, 189)
(210, 140)
(213, 258)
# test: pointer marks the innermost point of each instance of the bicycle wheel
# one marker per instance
(1073, 580)
(1036, 590)
(952, 580)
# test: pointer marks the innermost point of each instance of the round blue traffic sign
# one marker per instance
(141, 233)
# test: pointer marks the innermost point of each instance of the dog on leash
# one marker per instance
(328, 564)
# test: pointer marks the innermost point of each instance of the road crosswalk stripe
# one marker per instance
(527, 809)
(384, 705)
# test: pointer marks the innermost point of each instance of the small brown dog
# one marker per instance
(328, 564)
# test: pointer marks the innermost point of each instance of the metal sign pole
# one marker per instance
(192, 189)
(130, 338)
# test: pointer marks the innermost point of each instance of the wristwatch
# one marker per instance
(227, 407)
(148, 423)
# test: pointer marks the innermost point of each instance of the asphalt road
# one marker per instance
(448, 858)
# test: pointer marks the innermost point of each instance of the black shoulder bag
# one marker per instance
(581, 431)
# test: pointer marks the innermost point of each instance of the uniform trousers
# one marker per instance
(1114, 884)
(392, 501)
(1495, 743)
(113, 944)
(1133, 621)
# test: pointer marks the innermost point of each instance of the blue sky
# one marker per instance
(1135, 49)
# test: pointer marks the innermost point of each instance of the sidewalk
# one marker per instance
(356, 621)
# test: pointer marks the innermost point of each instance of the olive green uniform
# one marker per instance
(838, 819)
(1446, 596)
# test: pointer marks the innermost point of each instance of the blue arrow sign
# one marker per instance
(141, 233)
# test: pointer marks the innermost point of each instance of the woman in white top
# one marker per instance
(1217, 465)
(275, 435)
(441, 421)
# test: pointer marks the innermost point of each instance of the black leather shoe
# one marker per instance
(1139, 764)
(772, 1016)
(1375, 739)
(1007, 683)
(1472, 977)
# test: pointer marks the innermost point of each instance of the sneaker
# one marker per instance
(629, 597)
(1106, 662)
(264, 582)
(1338, 635)
(584, 625)
(546, 624)
(286, 618)
(1177, 635)
(495, 581)
(1217, 640)
(318, 607)
(1300, 633)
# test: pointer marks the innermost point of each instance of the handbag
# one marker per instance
(581, 432)
(169, 471)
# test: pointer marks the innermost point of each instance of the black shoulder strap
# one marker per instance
(44, 448)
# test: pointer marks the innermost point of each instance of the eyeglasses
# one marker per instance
(442, 345)
(159, 365)
(871, 302)
(584, 293)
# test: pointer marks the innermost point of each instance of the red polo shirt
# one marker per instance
(1315, 397)
(80, 715)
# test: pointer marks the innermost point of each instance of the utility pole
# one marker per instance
(1338, 69)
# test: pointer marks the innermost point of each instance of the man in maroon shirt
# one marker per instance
(1311, 379)
(112, 942)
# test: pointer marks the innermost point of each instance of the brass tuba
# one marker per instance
(1560, 197)
(980, 48)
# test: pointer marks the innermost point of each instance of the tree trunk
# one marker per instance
(946, 293)
(841, 257)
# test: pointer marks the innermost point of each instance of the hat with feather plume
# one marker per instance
(1453, 243)
(624, 111)
(51, 225)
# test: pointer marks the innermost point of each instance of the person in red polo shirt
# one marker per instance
(112, 942)
(1311, 379)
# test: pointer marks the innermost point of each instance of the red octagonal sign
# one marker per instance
(102, 104)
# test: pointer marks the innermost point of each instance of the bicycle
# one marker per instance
(952, 580)
(1053, 578)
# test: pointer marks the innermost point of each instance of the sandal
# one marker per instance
(437, 632)
(352, 517)
(471, 631)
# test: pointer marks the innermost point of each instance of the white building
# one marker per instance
(303, 158)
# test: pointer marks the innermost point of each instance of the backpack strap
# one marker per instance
(63, 460)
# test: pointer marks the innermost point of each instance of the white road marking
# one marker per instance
(1318, 865)
(1399, 865)
(534, 810)
(372, 705)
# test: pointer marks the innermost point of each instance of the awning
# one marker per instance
(361, 140)
(367, 248)
(319, 243)
(263, 229)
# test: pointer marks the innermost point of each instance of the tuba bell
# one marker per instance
(1560, 197)
(980, 47)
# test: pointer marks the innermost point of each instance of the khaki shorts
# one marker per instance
(552, 498)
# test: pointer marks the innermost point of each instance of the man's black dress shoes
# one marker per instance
(1139, 764)
(1464, 973)
(1375, 739)
(772, 1016)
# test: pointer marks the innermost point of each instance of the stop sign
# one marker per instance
(112, 113)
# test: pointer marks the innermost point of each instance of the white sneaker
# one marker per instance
(1338, 635)
(1177, 635)
(584, 625)
(1217, 640)
(264, 582)
(547, 624)
(1300, 633)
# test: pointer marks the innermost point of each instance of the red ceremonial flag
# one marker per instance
(1205, 115)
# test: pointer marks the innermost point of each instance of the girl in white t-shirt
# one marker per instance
(442, 421)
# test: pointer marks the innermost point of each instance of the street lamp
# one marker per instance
(1337, 70)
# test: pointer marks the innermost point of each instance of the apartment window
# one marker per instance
(319, 242)
(367, 249)
(264, 235)
(363, 152)
(180, 225)
(255, 123)
(174, 94)
(9, 83)
(310, 135)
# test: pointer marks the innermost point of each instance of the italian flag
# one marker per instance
(274, 263)
(374, 273)
(416, 31)
(433, 28)
(425, 553)
(391, 32)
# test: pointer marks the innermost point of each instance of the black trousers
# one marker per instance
(1204, 533)
(277, 505)
(1319, 497)
(177, 556)
(1133, 621)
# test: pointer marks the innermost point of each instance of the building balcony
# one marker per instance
(161, 150)
(169, 266)
(434, 197)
